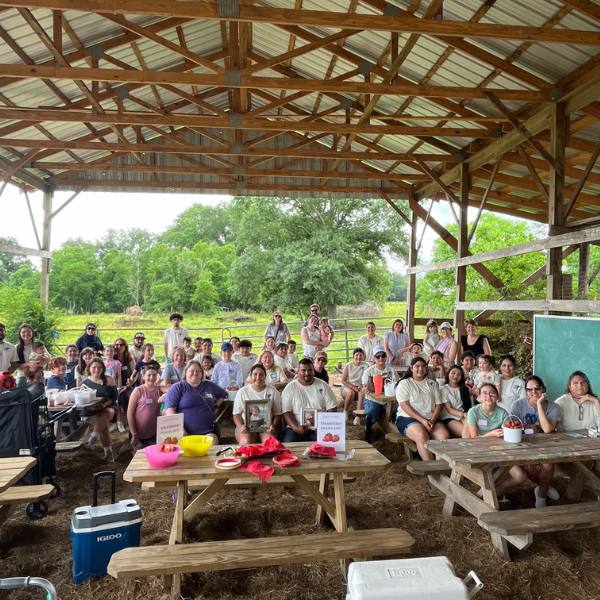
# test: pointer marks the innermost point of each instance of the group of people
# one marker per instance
(443, 387)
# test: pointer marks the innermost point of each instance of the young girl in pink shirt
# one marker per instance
(144, 409)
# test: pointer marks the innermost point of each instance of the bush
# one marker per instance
(19, 305)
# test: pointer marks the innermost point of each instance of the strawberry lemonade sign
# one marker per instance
(331, 430)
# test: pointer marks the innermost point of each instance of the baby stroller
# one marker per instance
(23, 433)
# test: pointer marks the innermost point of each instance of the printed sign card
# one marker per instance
(169, 426)
(331, 430)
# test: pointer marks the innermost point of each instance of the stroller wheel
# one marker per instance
(37, 510)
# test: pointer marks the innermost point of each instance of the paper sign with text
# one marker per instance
(331, 430)
(169, 426)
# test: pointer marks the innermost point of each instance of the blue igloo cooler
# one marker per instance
(97, 532)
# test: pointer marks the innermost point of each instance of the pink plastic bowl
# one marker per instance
(161, 460)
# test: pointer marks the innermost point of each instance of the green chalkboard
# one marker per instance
(562, 345)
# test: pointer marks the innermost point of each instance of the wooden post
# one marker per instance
(463, 247)
(46, 231)
(558, 134)
(583, 280)
(412, 279)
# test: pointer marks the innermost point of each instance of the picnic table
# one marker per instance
(475, 460)
(11, 470)
(364, 459)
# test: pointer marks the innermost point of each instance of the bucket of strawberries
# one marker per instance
(512, 427)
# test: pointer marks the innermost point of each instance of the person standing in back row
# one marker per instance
(173, 337)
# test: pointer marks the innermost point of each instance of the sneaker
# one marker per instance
(91, 440)
(121, 427)
(356, 421)
(539, 501)
(369, 437)
(109, 456)
(553, 494)
(113, 427)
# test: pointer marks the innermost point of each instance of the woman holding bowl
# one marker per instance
(196, 399)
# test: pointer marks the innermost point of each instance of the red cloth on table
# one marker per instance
(258, 469)
(271, 444)
(286, 459)
(325, 451)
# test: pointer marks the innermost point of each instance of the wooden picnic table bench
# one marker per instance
(476, 460)
(427, 467)
(257, 552)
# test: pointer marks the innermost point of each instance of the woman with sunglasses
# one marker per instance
(485, 420)
(579, 406)
(538, 414)
(321, 366)
(277, 329)
(123, 355)
(90, 339)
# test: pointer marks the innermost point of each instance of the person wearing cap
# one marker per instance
(173, 337)
(227, 373)
(368, 342)
(447, 345)
(277, 329)
(375, 407)
(135, 349)
(90, 339)
(396, 342)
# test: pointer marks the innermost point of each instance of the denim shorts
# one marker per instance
(402, 423)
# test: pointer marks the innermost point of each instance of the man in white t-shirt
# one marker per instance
(369, 341)
(305, 392)
(375, 406)
(173, 337)
(8, 353)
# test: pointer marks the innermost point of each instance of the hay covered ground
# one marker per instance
(561, 566)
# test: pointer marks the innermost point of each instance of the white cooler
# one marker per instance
(429, 578)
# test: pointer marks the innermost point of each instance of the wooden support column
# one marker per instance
(47, 227)
(583, 280)
(556, 212)
(411, 291)
(463, 247)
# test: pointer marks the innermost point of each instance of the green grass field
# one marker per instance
(222, 325)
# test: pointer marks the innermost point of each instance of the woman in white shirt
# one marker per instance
(512, 388)
(580, 408)
(352, 389)
(419, 408)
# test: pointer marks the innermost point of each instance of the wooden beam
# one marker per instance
(484, 198)
(463, 248)
(238, 121)
(563, 306)
(555, 241)
(193, 149)
(22, 250)
(253, 14)
(411, 291)
(587, 7)
(238, 81)
(586, 172)
(583, 272)
(584, 92)
(46, 233)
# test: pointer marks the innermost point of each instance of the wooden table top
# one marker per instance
(539, 448)
(12, 469)
(365, 459)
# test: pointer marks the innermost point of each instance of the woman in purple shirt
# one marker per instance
(196, 399)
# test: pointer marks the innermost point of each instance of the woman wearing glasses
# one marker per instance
(537, 413)
(277, 329)
(122, 354)
(485, 420)
(89, 339)
(579, 407)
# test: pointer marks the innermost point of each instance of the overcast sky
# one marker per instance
(91, 214)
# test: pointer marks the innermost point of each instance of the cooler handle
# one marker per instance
(97, 476)
(472, 576)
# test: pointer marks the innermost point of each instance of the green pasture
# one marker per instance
(222, 325)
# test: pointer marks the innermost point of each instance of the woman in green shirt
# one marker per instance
(485, 420)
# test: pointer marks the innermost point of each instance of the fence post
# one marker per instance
(346, 337)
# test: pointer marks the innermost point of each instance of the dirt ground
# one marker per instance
(561, 566)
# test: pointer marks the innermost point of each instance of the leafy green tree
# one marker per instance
(399, 287)
(20, 305)
(437, 288)
(199, 223)
(74, 282)
(9, 263)
(292, 252)
(26, 277)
